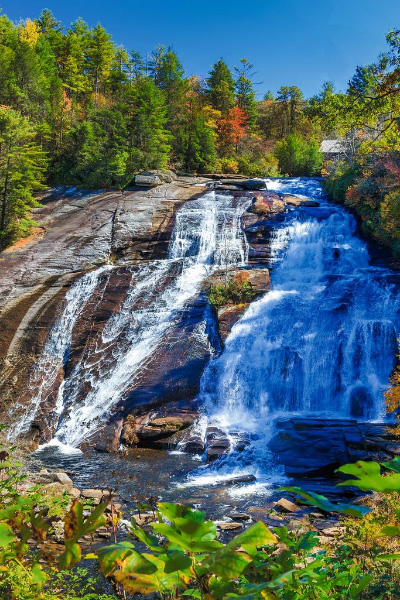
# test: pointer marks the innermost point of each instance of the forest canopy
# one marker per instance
(77, 109)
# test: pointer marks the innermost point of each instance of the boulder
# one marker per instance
(148, 180)
(239, 479)
(267, 205)
(129, 435)
(292, 200)
(253, 184)
(286, 506)
(312, 203)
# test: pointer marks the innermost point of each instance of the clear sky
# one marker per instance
(290, 42)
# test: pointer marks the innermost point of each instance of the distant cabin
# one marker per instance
(332, 149)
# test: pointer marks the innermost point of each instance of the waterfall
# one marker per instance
(323, 341)
(55, 352)
(207, 236)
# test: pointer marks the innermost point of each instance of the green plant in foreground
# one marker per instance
(182, 556)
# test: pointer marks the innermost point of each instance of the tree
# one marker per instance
(99, 54)
(297, 157)
(22, 168)
(221, 87)
(230, 130)
(195, 142)
(289, 101)
(245, 95)
(149, 141)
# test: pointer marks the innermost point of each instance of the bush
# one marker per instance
(297, 157)
(238, 290)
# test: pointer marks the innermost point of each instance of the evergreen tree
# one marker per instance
(245, 94)
(22, 166)
(99, 54)
(221, 87)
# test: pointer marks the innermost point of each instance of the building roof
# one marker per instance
(332, 147)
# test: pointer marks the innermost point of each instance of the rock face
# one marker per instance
(316, 447)
(81, 231)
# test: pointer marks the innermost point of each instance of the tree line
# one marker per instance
(75, 108)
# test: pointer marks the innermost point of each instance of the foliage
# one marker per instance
(298, 157)
(182, 556)
(22, 165)
(237, 290)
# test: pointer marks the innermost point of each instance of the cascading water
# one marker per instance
(207, 236)
(56, 349)
(322, 342)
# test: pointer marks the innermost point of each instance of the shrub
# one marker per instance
(238, 290)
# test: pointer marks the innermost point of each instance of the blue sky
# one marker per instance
(303, 42)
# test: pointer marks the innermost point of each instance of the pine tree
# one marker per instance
(245, 94)
(221, 87)
(99, 54)
(22, 166)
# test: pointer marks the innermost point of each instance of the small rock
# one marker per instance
(286, 506)
(239, 479)
(74, 492)
(144, 519)
(64, 479)
(239, 516)
(228, 525)
(323, 524)
(92, 493)
(310, 203)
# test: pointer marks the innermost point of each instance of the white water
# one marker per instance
(56, 350)
(207, 236)
(322, 342)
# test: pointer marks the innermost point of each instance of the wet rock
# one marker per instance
(311, 203)
(239, 516)
(217, 443)
(253, 184)
(227, 317)
(267, 205)
(238, 480)
(226, 187)
(82, 231)
(292, 200)
(315, 448)
(129, 435)
(286, 506)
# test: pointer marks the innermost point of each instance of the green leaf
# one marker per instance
(177, 561)
(313, 499)
(150, 540)
(390, 531)
(256, 535)
(228, 564)
(388, 557)
(192, 593)
(71, 555)
(369, 478)
(6, 535)
(124, 555)
(38, 576)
